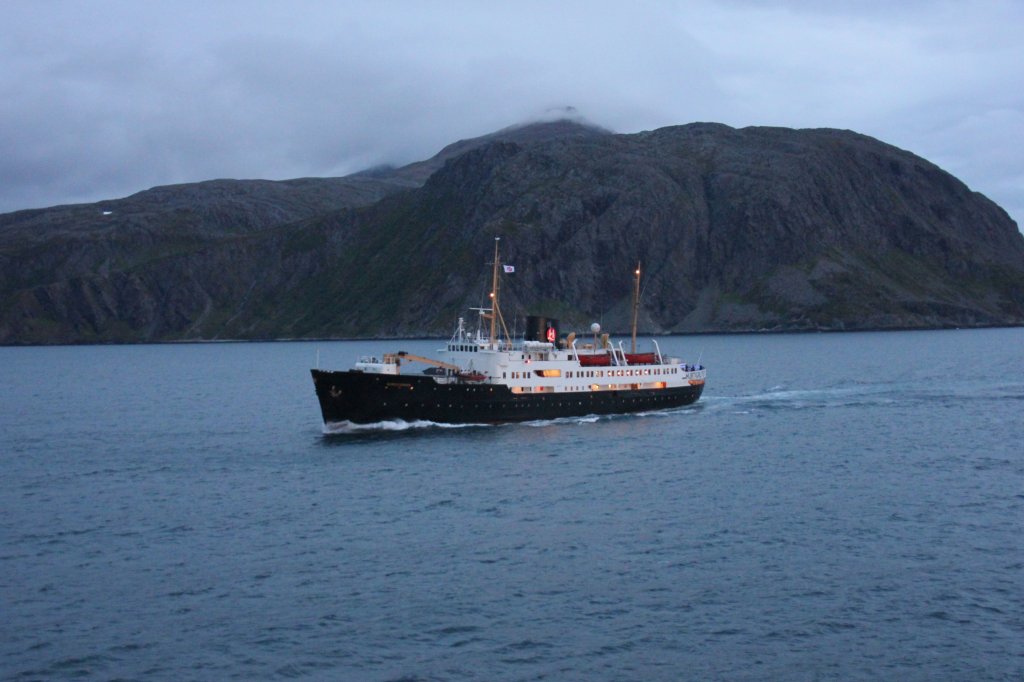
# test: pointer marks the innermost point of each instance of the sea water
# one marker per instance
(836, 506)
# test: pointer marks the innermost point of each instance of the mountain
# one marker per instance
(736, 229)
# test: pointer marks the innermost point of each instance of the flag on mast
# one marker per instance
(509, 268)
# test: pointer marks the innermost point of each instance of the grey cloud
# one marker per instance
(105, 98)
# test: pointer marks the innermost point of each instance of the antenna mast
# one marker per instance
(636, 304)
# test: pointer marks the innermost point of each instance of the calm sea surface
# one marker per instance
(840, 506)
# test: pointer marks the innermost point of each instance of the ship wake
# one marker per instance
(388, 426)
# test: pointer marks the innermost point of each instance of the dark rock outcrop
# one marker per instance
(737, 229)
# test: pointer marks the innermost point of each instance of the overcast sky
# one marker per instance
(100, 99)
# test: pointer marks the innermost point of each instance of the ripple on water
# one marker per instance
(835, 507)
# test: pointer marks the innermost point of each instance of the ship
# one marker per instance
(488, 377)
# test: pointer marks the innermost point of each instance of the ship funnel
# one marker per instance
(544, 329)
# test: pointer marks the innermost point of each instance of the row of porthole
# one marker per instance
(510, 406)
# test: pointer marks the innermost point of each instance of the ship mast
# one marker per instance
(494, 312)
(636, 304)
(494, 295)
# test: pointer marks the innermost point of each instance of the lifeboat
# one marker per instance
(595, 360)
(641, 358)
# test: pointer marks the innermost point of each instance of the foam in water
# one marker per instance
(396, 425)
(589, 419)
(781, 397)
(346, 427)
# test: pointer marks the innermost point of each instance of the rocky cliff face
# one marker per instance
(749, 229)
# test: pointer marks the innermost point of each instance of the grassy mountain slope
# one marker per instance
(738, 229)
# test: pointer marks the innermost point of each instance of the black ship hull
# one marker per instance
(365, 398)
